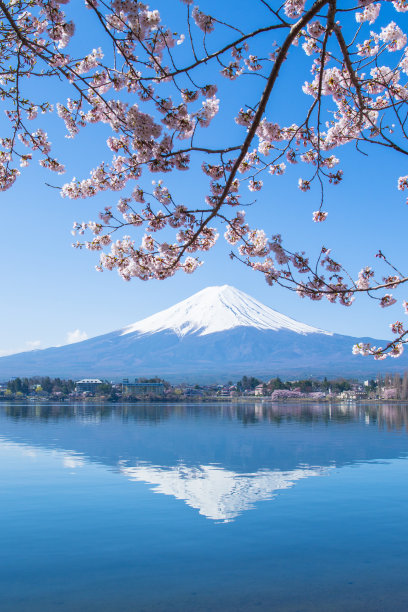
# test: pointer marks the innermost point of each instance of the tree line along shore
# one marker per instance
(387, 387)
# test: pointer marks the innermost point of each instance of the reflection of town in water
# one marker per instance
(394, 416)
(220, 459)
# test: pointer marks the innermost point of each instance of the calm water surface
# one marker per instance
(203, 508)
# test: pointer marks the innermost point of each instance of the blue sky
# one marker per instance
(51, 290)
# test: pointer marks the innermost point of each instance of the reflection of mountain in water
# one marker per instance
(220, 459)
(217, 493)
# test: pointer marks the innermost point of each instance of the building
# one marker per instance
(88, 384)
(141, 388)
(259, 389)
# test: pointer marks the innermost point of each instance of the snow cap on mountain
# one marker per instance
(216, 309)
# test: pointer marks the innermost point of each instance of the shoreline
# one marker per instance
(208, 399)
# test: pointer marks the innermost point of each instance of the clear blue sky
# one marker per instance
(50, 290)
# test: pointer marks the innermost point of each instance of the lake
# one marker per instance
(203, 507)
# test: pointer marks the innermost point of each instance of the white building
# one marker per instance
(259, 389)
(88, 384)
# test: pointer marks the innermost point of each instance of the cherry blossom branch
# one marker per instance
(257, 118)
(150, 98)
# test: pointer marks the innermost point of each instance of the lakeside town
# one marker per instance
(388, 387)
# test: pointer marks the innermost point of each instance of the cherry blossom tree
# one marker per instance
(155, 92)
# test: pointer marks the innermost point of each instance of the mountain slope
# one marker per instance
(217, 334)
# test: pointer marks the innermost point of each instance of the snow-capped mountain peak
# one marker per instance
(216, 309)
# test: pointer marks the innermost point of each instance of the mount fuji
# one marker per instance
(218, 334)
